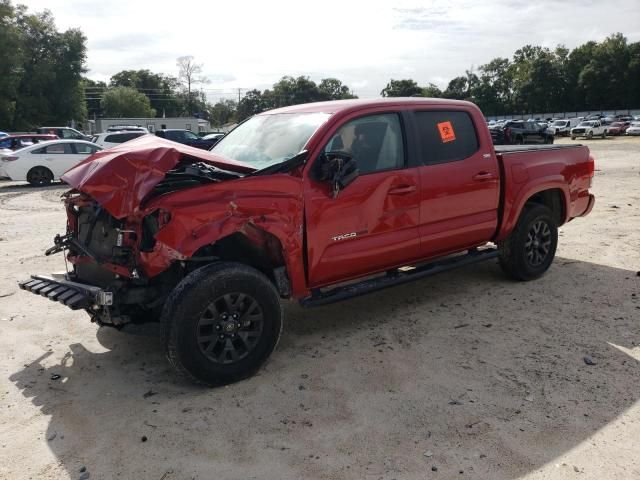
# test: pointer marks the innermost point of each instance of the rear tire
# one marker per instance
(39, 176)
(572, 137)
(529, 251)
(604, 134)
(221, 323)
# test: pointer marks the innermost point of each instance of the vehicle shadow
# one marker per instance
(464, 371)
(10, 186)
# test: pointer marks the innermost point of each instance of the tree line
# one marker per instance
(593, 76)
(43, 81)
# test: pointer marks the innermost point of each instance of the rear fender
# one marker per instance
(513, 206)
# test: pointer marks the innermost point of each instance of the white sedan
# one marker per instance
(44, 162)
(634, 129)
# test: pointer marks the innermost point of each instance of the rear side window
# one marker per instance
(122, 137)
(56, 149)
(83, 148)
(446, 136)
(175, 136)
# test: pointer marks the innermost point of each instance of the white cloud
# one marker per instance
(364, 43)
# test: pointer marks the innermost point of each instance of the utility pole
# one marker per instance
(239, 92)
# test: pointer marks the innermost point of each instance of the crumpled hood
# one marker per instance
(119, 178)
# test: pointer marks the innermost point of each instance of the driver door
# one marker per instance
(372, 224)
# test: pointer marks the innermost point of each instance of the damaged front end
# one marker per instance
(110, 234)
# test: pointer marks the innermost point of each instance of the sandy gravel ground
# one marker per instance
(465, 373)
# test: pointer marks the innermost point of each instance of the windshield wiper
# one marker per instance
(286, 166)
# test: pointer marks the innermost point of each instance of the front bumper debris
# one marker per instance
(74, 295)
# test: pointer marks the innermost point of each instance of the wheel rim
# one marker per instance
(38, 176)
(230, 328)
(538, 244)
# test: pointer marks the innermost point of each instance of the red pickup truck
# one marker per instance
(315, 202)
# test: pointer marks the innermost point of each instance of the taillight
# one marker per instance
(591, 168)
(507, 132)
(9, 158)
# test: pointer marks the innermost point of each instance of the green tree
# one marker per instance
(93, 92)
(333, 89)
(11, 60)
(119, 102)
(432, 91)
(222, 112)
(162, 90)
(401, 88)
(603, 79)
(293, 91)
(45, 79)
(633, 76)
(251, 104)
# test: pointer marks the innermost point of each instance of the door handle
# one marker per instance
(402, 190)
(483, 176)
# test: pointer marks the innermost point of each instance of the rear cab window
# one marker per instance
(122, 137)
(445, 136)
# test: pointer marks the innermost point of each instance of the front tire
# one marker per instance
(530, 248)
(590, 135)
(221, 323)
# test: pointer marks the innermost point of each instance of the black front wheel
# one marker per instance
(221, 323)
(530, 249)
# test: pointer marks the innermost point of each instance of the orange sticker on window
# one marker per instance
(447, 134)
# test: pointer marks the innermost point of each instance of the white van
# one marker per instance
(563, 126)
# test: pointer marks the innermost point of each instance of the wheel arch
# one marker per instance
(553, 193)
(27, 175)
(254, 247)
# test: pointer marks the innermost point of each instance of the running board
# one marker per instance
(395, 277)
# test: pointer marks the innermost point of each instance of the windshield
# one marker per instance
(266, 140)
(560, 123)
(587, 124)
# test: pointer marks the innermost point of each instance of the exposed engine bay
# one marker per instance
(186, 175)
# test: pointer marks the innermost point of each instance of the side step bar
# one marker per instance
(396, 277)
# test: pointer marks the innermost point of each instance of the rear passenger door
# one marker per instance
(459, 180)
(57, 157)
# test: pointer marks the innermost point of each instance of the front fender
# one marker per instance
(200, 216)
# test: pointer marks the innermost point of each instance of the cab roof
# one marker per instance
(336, 106)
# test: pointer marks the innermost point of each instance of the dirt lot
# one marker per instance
(466, 372)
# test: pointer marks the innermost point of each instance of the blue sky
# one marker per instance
(244, 44)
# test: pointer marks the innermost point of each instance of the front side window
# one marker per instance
(446, 136)
(266, 140)
(191, 136)
(375, 142)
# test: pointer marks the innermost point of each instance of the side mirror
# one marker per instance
(339, 168)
